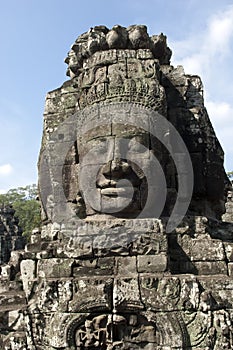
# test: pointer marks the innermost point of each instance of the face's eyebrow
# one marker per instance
(100, 137)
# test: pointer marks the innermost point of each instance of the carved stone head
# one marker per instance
(125, 136)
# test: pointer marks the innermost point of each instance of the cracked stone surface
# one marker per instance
(96, 277)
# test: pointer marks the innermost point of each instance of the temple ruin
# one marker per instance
(135, 249)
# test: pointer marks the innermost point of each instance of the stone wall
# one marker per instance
(120, 263)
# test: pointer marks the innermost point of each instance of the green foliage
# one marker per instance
(27, 208)
(230, 174)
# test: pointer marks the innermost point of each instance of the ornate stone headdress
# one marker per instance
(119, 65)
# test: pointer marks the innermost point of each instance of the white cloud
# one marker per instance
(201, 50)
(220, 32)
(207, 52)
(5, 169)
(221, 115)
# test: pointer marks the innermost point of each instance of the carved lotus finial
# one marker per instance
(100, 38)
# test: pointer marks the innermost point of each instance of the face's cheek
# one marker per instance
(93, 156)
(88, 189)
(137, 170)
(104, 176)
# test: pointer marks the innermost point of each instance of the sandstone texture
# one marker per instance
(136, 245)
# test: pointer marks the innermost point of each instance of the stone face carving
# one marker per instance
(114, 171)
(10, 234)
(105, 272)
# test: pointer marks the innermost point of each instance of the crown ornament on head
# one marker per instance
(118, 65)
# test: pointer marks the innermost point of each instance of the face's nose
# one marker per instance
(116, 167)
(117, 154)
(119, 166)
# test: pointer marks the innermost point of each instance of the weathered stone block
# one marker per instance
(230, 269)
(6, 271)
(202, 248)
(158, 293)
(105, 266)
(170, 292)
(152, 263)
(75, 247)
(149, 243)
(33, 247)
(94, 267)
(211, 267)
(182, 266)
(84, 268)
(91, 294)
(54, 268)
(28, 273)
(126, 294)
(229, 251)
(12, 300)
(126, 266)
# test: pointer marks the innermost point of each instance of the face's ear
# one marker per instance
(70, 178)
(70, 173)
(45, 186)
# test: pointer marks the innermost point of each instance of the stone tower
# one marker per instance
(133, 253)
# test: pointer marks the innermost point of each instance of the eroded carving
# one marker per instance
(104, 273)
(117, 331)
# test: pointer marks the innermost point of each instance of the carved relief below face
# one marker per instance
(116, 332)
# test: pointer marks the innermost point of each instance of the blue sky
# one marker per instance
(35, 37)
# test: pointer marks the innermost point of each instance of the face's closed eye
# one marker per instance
(135, 146)
(102, 147)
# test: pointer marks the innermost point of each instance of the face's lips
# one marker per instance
(116, 191)
(104, 183)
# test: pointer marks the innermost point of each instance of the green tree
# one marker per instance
(27, 207)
